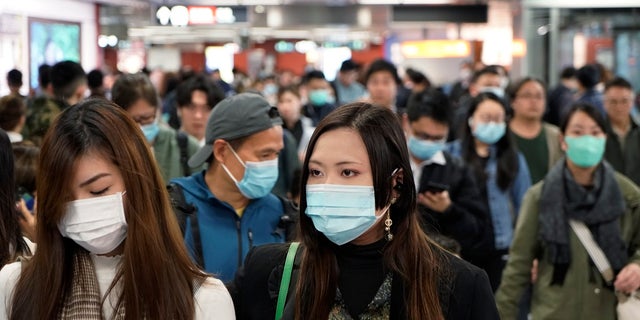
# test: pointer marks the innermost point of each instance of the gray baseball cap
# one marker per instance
(236, 117)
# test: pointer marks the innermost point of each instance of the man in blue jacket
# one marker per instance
(234, 207)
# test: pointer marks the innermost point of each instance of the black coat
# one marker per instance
(467, 220)
(467, 295)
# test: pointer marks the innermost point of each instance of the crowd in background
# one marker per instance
(499, 164)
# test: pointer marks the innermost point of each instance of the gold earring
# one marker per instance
(387, 225)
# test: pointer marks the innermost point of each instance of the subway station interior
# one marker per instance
(529, 37)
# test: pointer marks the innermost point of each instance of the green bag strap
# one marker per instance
(286, 279)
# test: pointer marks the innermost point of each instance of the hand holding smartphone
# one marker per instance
(435, 187)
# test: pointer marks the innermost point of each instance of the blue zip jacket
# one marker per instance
(504, 205)
(226, 238)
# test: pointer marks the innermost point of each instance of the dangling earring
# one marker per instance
(388, 222)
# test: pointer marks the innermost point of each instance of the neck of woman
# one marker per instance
(582, 176)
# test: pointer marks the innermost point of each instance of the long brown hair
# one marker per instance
(410, 255)
(12, 245)
(156, 272)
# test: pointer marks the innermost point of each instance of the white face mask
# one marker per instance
(96, 224)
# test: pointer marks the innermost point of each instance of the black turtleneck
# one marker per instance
(361, 274)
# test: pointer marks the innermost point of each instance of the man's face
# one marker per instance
(425, 128)
(529, 102)
(347, 77)
(194, 115)
(261, 146)
(318, 84)
(618, 102)
(382, 88)
(486, 80)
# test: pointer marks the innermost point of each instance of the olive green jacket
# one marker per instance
(552, 135)
(167, 153)
(583, 294)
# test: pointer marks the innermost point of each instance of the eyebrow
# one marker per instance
(338, 164)
(94, 178)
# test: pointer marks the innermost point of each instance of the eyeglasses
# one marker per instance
(621, 102)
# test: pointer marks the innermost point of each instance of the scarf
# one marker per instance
(83, 300)
(599, 208)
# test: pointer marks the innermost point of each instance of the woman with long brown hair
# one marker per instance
(363, 254)
(109, 246)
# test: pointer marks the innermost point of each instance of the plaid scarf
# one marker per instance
(83, 302)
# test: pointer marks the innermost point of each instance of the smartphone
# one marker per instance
(435, 187)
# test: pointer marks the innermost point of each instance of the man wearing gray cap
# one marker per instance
(234, 207)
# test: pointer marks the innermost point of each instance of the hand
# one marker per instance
(27, 221)
(438, 202)
(628, 280)
(534, 271)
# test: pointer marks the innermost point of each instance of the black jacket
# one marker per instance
(467, 220)
(624, 158)
(466, 295)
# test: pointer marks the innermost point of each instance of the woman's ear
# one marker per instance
(398, 182)
(563, 144)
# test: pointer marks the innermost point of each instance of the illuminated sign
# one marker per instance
(436, 49)
(199, 15)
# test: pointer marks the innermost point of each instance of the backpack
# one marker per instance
(183, 210)
(183, 144)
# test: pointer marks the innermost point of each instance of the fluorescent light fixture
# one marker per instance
(379, 2)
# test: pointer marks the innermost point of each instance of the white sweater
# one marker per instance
(212, 300)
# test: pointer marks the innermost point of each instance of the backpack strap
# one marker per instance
(184, 210)
(287, 225)
(286, 279)
(183, 143)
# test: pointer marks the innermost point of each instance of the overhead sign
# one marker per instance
(200, 15)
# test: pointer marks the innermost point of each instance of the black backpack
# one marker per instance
(183, 210)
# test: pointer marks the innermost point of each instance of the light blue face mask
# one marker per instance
(259, 177)
(341, 212)
(498, 91)
(425, 149)
(585, 151)
(490, 132)
(320, 97)
(150, 131)
(270, 89)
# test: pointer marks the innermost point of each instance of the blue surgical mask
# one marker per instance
(319, 97)
(425, 149)
(498, 91)
(341, 212)
(270, 89)
(490, 132)
(150, 131)
(259, 177)
(585, 151)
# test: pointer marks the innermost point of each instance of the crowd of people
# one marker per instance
(182, 196)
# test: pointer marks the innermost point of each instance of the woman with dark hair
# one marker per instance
(109, 246)
(290, 109)
(363, 254)
(500, 170)
(14, 245)
(135, 94)
(25, 156)
(585, 189)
